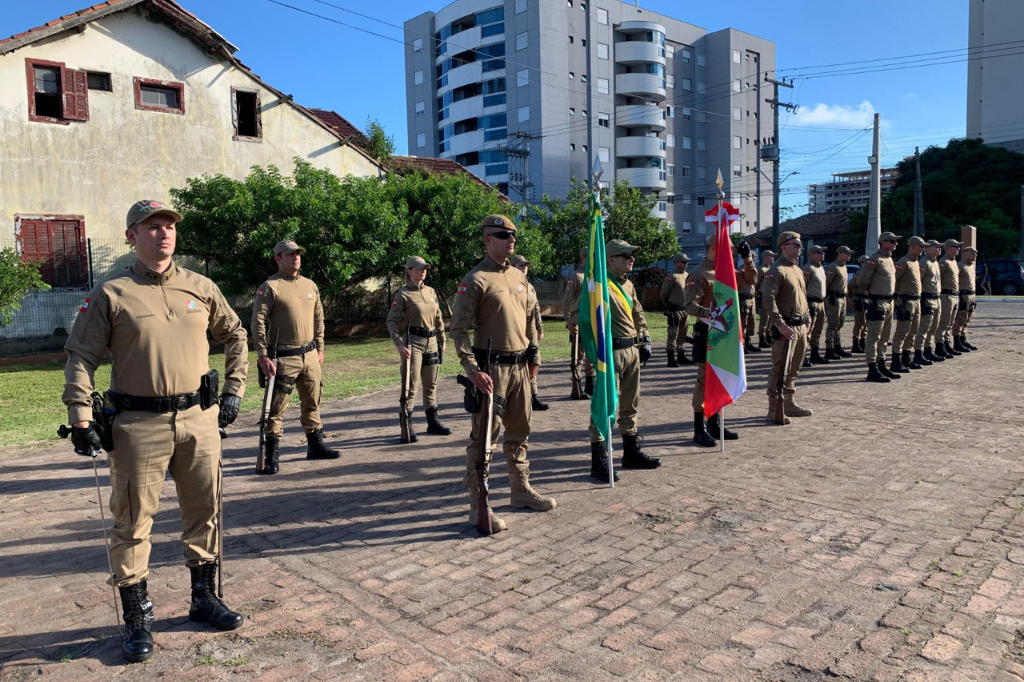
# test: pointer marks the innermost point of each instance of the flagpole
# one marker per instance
(611, 452)
(595, 173)
(719, 244)
(721, 429)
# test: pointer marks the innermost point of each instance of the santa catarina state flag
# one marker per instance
(726, 374)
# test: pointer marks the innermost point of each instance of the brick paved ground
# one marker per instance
(881, 539)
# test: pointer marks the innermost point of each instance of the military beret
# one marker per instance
(916, 241)
(417, 262)
(787, 236)
(934, 242)
(952, 242)
(888, 237)
(618, 247)
(969, 249)
(148, 208)
(681, 258)
(496, 220)
(287, 246)
(816, 249)
(518, 260)
(845, 249)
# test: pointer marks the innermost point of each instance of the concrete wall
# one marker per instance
(995, 84)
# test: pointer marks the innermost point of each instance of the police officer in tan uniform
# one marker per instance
(877, 277)
(908, 307)
(949, 297)
(859, 301)
(747, 293)
(288, 323)
(673, 297)
(930, 286)
(492, 304)
(415, 316)
(968, 302)
(814, 277)
(631, 346)
(571, 297)
(152, 319)
(785, 300)
(700, 301)
(767, 259)
(520, 263)
(835, 304)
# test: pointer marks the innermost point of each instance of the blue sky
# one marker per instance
(359, 75)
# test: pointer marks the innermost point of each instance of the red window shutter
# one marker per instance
(76, 94)
(36, 245)
(259, 116)
(69, 266)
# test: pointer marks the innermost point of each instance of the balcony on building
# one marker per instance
(646, 85)
(632, 52)
(640, 146)
(640, 116)
(644, 178)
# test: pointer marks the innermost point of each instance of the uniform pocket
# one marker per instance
(121, 504)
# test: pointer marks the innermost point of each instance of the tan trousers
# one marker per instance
(762, 316)
(627, 378)
(950, 303)
(929, 323)
(747, 322)
(964, 315)
(835, 318)
(583, 362)
(676, 339)
(146, 446)
(301, 372)
(420, 372)
(817, 311)
(879, 330)
(860, 327)
(908, 321)
(511, 383)
(780, 349)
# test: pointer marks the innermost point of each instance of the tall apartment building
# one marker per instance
(665, 104)
(995, 74)
(847, 191)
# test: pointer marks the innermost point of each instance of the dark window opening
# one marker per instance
(46, 81)
(247, 104)
(99, 81)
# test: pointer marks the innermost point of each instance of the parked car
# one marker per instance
(851, 272)
(1007, 276)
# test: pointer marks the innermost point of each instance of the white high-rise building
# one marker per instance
(995, 73)
(665, 105)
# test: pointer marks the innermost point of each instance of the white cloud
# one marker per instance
(835, 115)
(910, 96)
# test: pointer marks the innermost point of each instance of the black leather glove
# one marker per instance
(229, 405)
(645, 350)
(743, 249)
(86, 440)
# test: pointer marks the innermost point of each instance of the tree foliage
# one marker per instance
(17, 278)
(381, 145)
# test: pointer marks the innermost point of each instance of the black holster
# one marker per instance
(833, 298)
(209, 389)
(103, 421)
(872, 311)
(700, 342)
(431, 359)
(471, 400)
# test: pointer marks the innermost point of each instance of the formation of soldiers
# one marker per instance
(158, 415)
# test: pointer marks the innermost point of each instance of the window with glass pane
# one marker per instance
(163, 98)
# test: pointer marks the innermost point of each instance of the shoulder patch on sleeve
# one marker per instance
(462, 289)
(770, 275)
(691, 283)
(899, 267)
(870, 262)
(394, 302)
(85, 306)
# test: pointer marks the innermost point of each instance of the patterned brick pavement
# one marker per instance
(881, 539)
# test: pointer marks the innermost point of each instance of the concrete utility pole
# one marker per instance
(591, 152)
(771, 152)
(757, 168)
(875, 201)
(918, 197)
(1020, 256)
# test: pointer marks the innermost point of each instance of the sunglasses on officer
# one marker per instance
(793, 242)
(501, 234)
(627, 256)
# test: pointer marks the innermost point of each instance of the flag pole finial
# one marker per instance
(720, 182)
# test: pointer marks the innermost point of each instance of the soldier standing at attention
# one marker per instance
(785, 300)
(968, 302)
(814, 277)
(571, 297)
(930, 278)
(877, 277)
(415, 311)
(493, 305)
(631, 345)
(908, 307)
(700, 300)
(523, 265)
(673, 296)
(152, 320)
(288, 314)
(949, 298)
(859, 299)
(767, 258)
(835, 304)
(747, 292)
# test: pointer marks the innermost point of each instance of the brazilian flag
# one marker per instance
(595, 325)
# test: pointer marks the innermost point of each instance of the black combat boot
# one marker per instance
(951, 351)
(672, 362)
(137, 644)
(896, 366)
(831, 354)
(842, 353)
(933, 356)
(807, 362)
(886, 372)
(909, 361)
(876, 376)
(412, 429)
(537, 406)
(958, 344)
(633, 455)
(750, 348)
(317, 450)
(967, 345)
(816, 358)
(271, 456)
(683, 360)
(762, 341)
(700, 431)
(599, 461)
(921, 360)
(858, 346)
(207, 607)
(714, 428)
(588, 386)
(434, 424)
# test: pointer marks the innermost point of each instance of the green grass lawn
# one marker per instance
(31, 409)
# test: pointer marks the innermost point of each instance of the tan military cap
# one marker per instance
(147, 208)
(861, 259)
(969, 249)
(617, 247)
(496, 220)
(952, 242)
(518, 260)
(816, 249)
(417, 262)
(287, 246)
(916, 241)
(787, 236)
(888, 237)
(934, 242)
(845, 249)
(769, 252)
(681, 258)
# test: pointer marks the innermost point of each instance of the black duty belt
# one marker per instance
(746, 297)
(796, 321)
(967, 292)
(624, 342)
(290, 352)
(949, 292)
(499, 358)
(909, 297)
(422, 332)
(880, 297)
(815, 299)
(131, 403)
(929, 297)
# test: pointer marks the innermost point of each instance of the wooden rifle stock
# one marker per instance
(403, 400)
(268, 398)
(483, 516)
(780, 404)
(574, 366)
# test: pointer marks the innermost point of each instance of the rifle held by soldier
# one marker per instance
(483, 518)
(403, 400)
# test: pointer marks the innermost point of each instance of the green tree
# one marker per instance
(628, 217)
(17, 278)
(382, 145)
